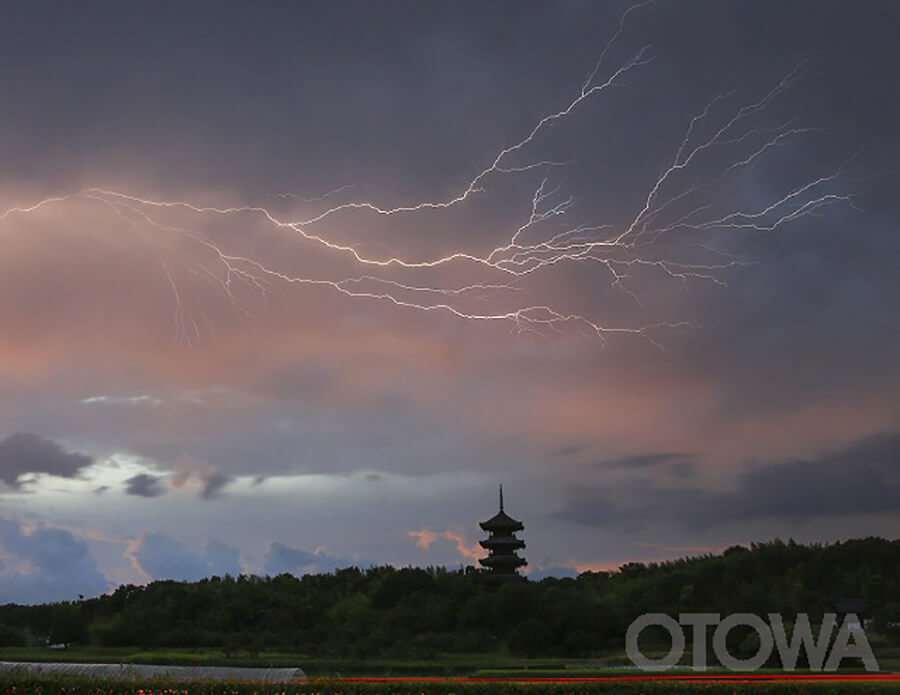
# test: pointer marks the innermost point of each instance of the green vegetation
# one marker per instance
(439, 665)
(433, 620)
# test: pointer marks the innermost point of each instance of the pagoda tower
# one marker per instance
(502, 562)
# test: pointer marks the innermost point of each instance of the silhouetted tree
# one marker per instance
(383, 611)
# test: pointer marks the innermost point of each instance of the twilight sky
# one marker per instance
(285, 287)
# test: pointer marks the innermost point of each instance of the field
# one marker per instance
(473, 665)
(459, 675)
(477, 674)
(444, 665)
(440, 665)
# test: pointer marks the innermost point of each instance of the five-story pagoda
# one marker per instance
(502, 544)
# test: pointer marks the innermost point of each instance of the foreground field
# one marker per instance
(476, 664)
(631, 686)
(439, 665)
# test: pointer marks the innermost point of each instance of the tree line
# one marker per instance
(419, 613)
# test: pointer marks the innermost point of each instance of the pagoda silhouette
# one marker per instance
(502, 562)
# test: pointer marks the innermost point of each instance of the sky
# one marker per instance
(286, 287)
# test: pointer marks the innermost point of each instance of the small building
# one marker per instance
(502, 562)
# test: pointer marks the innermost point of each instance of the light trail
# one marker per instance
(681, 199)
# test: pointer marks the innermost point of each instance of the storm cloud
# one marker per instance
(23, 453)
(181, 313)
(863, 478)
(144, 485)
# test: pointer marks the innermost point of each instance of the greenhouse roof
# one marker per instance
(141, 671)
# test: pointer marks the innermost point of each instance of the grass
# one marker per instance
(478, 664)
(440, 665)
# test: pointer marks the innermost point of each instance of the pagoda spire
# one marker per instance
(501, 497)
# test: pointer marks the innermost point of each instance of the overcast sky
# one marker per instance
(291, 286)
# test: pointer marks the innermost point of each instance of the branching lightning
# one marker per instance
(681, 200)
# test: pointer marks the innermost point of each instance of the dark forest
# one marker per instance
(420, 613)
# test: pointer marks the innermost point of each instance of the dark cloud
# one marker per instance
(675, 464)
(861, 479)
(681, 469)
(199, 473)
(145, 485)
(213, 484)
(649, 460)
(59, 566)
(569, 450)
(24, 453)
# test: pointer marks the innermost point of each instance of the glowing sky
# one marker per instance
(285, 287)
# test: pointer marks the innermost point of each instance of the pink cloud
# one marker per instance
(469, 551)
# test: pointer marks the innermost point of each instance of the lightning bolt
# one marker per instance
(681, 200)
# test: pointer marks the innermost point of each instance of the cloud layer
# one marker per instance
(144, 354)
(861, 479)
(160, 557)
(45, 564)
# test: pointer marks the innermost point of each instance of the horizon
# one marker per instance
(289, 286)
(621, 570)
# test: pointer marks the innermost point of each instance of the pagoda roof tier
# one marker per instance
(503, 561)
(501, 522)
(502, 543)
